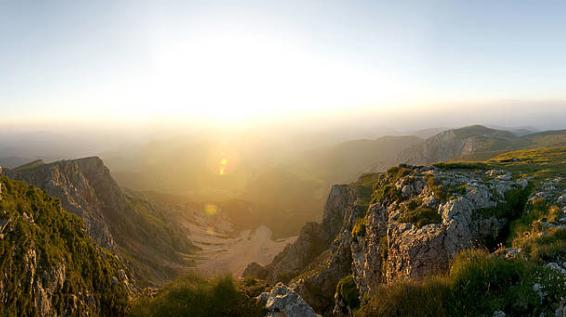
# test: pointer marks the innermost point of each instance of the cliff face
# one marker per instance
(313, 239)
(84, 187)
(142, 234)
(411, 222)
(50, 266)
(426, 218)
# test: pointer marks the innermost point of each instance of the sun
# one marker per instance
(242, 78)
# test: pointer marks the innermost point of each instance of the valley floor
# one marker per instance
(225, 251)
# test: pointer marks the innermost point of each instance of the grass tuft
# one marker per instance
(196, 296)
(478, 284)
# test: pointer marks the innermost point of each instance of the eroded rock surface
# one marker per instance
(283, 301)
(413, 223)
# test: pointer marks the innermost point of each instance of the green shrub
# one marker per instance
(513, 207)
(478, 284)
(502, 285)
(537, 245)
(359, 229)
(428, 298)
(537, 210)
(385, 192)
(421, 216)
(195, 296)
(348, 292)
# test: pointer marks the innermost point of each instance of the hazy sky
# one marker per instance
(236, 61)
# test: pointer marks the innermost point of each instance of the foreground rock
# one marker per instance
(283, 301)
(407, 224)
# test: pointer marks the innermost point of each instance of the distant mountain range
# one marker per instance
(73, 240)
(476, 143)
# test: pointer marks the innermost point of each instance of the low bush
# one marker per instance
(359, 229)
(478, 284)
(348, 292)
(419, 299)
(196, 296)
(421, 216)
(537, 245)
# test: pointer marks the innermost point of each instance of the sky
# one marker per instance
(244, 62)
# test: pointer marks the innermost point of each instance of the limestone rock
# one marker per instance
(380, 244)
(314, 238)
(283, 301)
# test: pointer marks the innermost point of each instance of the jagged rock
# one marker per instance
(310, 243)
(314, 238)
(557, 268)
(283, 300)
(317, 283)
(385, 243)
(414, 252)
(499, 313)
(539, 290)
(368, 250)
(80, 185)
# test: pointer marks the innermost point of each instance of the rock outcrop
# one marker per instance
(129, 226)
(406, 224)
(84, 187)
(283, 301)
(395, 245)
(313, 239)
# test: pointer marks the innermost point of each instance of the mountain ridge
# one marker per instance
(148, 240)
(50, 265)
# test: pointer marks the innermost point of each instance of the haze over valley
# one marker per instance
(296, 159)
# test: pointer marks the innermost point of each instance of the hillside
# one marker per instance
(437, 237)
(346, 161)
(50, 266)
(148, 240)
(476, 143)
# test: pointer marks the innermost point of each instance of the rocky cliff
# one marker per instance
(412, 222)
(50, 266)
(147, 239)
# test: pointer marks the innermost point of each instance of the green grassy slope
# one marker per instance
(49, 264)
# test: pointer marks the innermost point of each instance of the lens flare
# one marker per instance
(222, 166)
(210, 209)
